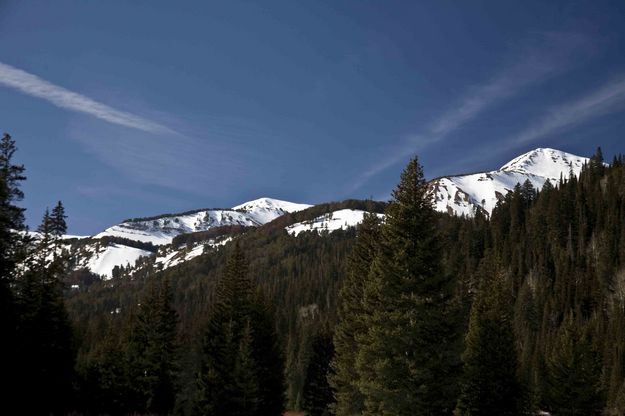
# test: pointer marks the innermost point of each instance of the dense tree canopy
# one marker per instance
(536, 291)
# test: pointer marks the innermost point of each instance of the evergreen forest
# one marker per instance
(415, 313)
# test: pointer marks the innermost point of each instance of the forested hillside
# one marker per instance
(416, 313)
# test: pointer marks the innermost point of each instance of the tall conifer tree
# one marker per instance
(574, 371)
(239, 347)
(152, 352)
(45, 334)
(408, 357)
(349, 399)
(58, 220)
(11, 221)
(318, 396)
(490, 385)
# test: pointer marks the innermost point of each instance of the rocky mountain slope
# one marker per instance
(159, 239)
(162, 229)
(467, 194)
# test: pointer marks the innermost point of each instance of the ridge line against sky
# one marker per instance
(300, 101)
(35, 86)
(603, 100)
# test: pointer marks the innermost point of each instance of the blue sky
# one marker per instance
(125, 109)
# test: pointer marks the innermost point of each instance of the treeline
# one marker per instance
(212, 233)
(37, 348)
(421, 314)
(298, 277)
(137, 366)
(541, 284)
(524, 311)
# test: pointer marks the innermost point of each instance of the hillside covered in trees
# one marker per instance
(420, 313)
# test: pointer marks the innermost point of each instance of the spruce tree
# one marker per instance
(239, 346)
(152, 352)
(245, 377)
(45, 334)
(490, 385)
(58, 217)
(349, 399)
(574, 371)
(11, 216)
(105, 385)
(11, 222)
(408, 358)
(267, 352)
(318, 396)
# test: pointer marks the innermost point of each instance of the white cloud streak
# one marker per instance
(605, 100)
(37, 87)
(507, 84)
(532, 66)
(602, 101)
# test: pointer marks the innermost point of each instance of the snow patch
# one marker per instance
(102, 260)
(337, 220)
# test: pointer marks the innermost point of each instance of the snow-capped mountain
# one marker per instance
(100, 256)
(162, 229)
(467, 194)
(459, 195)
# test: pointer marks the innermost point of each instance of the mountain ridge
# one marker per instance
(467, 194)
(463, 194)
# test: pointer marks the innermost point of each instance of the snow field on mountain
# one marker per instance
(456, 195)
(175, 257)
(337, 220)
(162, 230)
(103, 260)
(465, 194)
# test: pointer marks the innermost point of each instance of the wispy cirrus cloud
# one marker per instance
(604, 100)
(532, 65)
(144, 150)
(61, 97)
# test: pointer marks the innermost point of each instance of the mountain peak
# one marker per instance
(272, 204)
(545, 162)
(162, 229)
(467, 194)
(264, 210)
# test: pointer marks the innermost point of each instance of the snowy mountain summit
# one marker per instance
(162, 229)
(467, 194)
(456, 195)
(264, 210)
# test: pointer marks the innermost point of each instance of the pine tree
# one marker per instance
(216, 384)
(409, 356)
(245, 377)
(490, 385)
(349, 400)
(105, 385)
(226, 355)
(11, 216)
(45, 334)
(318, 396)
(268, 354)
(43, 248)
(152, 352)
(574, 371)
(58, 225)
(596, 163)
(11, 221)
